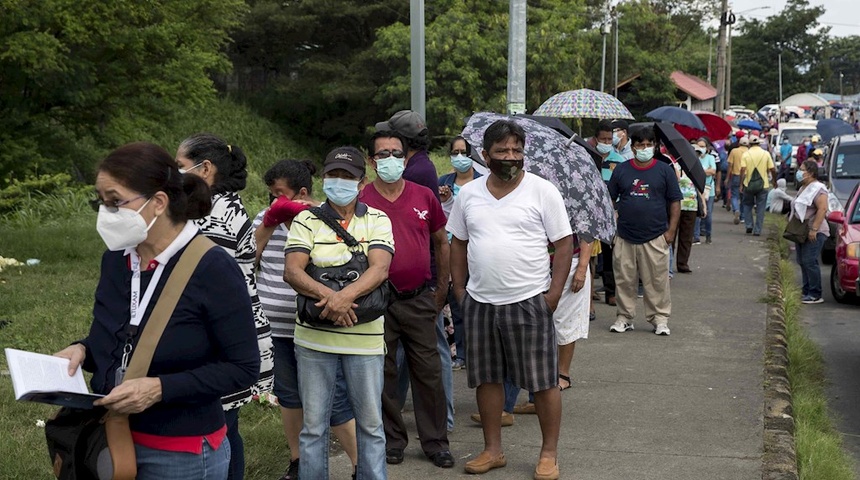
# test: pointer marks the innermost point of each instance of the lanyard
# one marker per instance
(137, 307)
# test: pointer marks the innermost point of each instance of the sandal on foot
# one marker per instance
(566, 379)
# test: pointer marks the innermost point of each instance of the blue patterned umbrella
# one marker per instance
(583, 103)
(566, 165)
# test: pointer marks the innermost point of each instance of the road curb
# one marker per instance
(780, 458)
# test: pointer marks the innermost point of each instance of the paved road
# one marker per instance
(642, 406)
(836, 328)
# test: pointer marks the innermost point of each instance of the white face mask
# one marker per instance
(124, 228)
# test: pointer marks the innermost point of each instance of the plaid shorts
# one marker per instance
(515, 342)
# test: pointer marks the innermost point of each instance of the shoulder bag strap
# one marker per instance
(140, 360)
(334, 225)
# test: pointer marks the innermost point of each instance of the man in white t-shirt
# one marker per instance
(501, 224)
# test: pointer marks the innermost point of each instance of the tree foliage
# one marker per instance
(796, 34)
(75, 74)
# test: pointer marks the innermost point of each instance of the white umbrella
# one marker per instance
(805, 100)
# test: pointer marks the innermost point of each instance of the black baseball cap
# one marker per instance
(345, 158)
(618, 123)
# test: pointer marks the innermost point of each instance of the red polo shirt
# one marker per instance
(414, 215)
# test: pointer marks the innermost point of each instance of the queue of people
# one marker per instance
(423, 239)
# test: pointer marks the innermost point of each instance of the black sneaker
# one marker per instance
(749, 231)
(442, 459)
(708, 239)
(394, 456)
(292, 472)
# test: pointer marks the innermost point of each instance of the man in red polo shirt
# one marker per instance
(416, 219)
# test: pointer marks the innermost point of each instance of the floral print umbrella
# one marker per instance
(563, 163)
(583, 103)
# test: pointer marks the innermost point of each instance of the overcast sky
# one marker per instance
(842, 16)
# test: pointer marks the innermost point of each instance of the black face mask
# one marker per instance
(505, 170)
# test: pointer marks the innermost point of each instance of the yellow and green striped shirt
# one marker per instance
(310, 235)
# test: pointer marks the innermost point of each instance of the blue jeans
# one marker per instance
(708, 221)
(671, 262)
(317, 381)
(155, 464)
(287, 382)
(759, 201)
(511, 393)
(447, 373)
(736, 193)
(810, 270)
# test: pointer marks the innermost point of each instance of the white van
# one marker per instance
(795, 130)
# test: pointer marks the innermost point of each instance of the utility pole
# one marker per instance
(721, 59)
(728, 98)
(710, 55)
(517, 57)
(604, 31)
(614, 13)
(416, 47)
(780, 81)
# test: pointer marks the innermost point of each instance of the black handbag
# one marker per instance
(370, 306)
(796, 231)
(95, 444)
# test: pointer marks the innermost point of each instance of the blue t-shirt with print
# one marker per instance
(707, 162)
(609, 163)
(643, 195)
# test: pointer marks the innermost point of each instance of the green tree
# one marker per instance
(76, 75)
(795, 34)
(466, 56)
(306, 64)
(843, 56)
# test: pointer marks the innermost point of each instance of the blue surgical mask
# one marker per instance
(461, 163)
(645, 154)
(341, 191)
(390, 169)
(798, 175)
(616, 139)
(604, 148)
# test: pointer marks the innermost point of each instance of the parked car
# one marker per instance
(795, 131)
(844, 274)
(842, 173)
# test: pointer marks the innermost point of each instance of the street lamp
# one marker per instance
(729, 60)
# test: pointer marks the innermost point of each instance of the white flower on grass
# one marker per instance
(40, 423)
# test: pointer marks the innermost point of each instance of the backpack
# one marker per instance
(756, 183)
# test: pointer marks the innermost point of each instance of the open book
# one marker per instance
(44, 378)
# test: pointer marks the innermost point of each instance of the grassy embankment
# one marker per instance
(820, 455)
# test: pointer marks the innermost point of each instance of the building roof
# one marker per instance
(693, 86)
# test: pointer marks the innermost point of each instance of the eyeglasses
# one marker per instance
(389, 153)
(112, 206)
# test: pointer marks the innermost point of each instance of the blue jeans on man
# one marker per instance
(318, 381)
(759, 201)
(736, 193)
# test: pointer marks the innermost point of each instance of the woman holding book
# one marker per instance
(209, 346)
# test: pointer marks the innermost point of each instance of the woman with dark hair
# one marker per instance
(146, 219)
(464, 172)
(224, 168)
(810, 205)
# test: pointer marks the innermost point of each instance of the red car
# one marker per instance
(844, 274)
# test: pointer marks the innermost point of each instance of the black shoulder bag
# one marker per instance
(370, 306)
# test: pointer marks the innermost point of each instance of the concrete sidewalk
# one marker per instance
(687, 406)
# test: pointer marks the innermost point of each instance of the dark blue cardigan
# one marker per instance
(208, 349)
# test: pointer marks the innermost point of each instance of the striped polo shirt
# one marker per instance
(276, 296)
(310, 235)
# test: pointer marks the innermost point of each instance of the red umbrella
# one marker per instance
(716, 128)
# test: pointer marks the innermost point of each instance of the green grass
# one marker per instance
(819, 446)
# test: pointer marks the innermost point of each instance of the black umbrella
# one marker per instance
(677, 115)
(833, 127)
(560, 127)
(680, 148)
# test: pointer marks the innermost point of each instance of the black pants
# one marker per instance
(608, 274)
(237, 447)
(412, 322)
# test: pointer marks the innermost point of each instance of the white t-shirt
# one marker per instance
(507, 253)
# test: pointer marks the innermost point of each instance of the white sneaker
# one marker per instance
(661, 329)
(620, 326)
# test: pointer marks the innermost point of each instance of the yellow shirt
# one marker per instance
(756, 158)
(735, 160)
